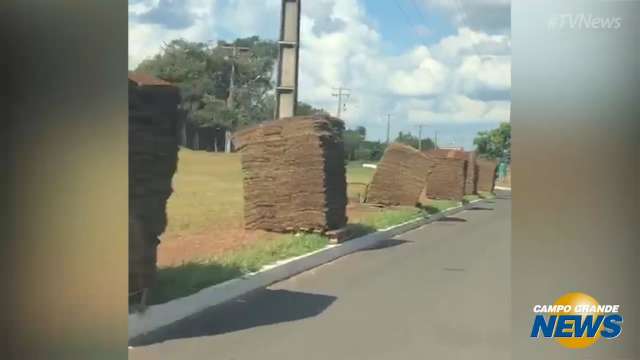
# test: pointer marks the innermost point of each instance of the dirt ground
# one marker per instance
(178, 248)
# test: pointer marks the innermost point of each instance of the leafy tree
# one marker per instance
(414, 141)
(370, 150)
(306, 109)
(203, 74)
(495, 144)
(352, 140)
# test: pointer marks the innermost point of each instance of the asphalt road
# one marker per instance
(438, 292)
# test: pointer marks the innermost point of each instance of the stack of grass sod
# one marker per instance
(486, 174)
(471, 182)
(445, 178)
(153, 148)
(294, 174)
(399, 178)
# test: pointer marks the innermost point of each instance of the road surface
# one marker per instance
(438, 292)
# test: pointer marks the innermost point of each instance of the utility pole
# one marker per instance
(235, 51)
(235, 55)
(340, 94)
(388, 127)
(288, 54)
(420, 137)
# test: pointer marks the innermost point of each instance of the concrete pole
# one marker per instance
(289, 49)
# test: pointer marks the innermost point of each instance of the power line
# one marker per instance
(460, 7)
(341, 93)
(410, 20)
(418, 11)
(235, 52)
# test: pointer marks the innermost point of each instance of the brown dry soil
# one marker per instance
(179, 248)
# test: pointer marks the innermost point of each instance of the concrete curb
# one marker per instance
(158, 316)
(502, 188)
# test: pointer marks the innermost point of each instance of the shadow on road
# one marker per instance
(387, 244)
(262, 307)
(480, 208)
(452, 219)
(503, 195)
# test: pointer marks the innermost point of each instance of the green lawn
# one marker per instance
(207, 189)
(357, 178)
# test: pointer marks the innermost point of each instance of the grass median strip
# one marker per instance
(391, 217)
(187, 279)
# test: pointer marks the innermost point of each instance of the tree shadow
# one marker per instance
(186, 279)
(475, 208)
(259, 308)
(452, 219)
(387, 243)
(357, 230)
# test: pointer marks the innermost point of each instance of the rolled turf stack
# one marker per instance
(153, 156)
(400, 176)
(471, 182)
(446, 175)
(294, 174)
(486, 174)
(471, 172)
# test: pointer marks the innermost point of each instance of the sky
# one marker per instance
(443, 64)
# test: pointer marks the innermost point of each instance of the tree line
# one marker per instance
(203, 73)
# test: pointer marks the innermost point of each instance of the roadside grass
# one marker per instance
(469, 198)
(486, 195)
(435, 206)
(391, 217)
(189, 278)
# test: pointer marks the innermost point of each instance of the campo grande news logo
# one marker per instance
(577, 321)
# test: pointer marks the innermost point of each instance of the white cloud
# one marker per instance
(463, 78)
(248, 17)
(458, 109)
(146, 38)
(483, 15)
(426, 77)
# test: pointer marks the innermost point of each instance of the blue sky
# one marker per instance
(397, 22)
(444, 64)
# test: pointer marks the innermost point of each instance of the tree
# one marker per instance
(352, 140)
(495, 144)
(203, 74)
(306, 109)
(370, 150)
(408, 139)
